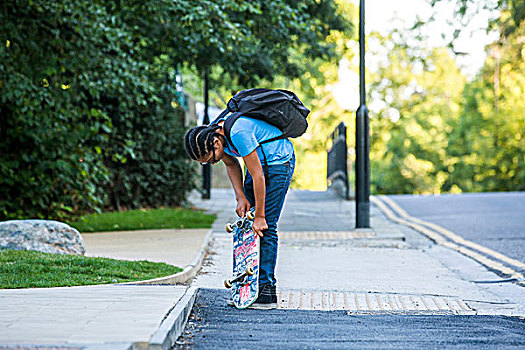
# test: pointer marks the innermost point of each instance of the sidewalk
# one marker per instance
(385, 287)
(323, 264)
(104, 316)
(174, 247)
(91, 315)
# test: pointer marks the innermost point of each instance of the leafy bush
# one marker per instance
(88, 112)
(48, 76)
(85, 121)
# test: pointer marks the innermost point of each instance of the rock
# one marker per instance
(41, 235)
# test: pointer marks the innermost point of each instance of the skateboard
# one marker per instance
(246, 248)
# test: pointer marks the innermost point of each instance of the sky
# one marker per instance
(385, 15)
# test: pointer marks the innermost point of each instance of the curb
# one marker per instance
(72, 346)
(185, 275)
(173, 326)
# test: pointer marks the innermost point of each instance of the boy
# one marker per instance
(207, 144)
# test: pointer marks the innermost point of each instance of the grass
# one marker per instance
(142, 219)
(28, 269)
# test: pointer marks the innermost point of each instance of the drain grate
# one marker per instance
(372, 302)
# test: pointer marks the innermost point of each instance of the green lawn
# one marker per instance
(144, 219)
(27, 269)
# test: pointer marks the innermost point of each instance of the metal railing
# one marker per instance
(337, 171)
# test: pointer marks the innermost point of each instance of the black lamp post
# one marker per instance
(362, 137)
(206, 168)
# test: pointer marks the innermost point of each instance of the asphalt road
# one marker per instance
(213, 325)
(494, 220)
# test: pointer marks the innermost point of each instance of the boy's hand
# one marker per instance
(243, 205)
(259, 225)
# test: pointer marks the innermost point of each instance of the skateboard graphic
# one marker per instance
(246, 247)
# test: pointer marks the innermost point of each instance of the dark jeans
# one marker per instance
(280, 176)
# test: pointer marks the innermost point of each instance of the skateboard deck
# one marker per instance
(246, 248)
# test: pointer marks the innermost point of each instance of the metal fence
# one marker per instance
(337, 172)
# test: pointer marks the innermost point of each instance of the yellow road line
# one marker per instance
(454, 237)
(459, 244)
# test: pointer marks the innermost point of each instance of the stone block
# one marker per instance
(45, 236)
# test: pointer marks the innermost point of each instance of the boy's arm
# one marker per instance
(233, 168)
(259, 188)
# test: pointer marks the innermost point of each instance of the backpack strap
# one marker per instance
(280, 137)
(266, 170)
(222, 115)
(228, 124)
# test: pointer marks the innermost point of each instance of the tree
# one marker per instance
(89, 114)
(487, 142)
(304, 62)
(414, 96)
(513, 13)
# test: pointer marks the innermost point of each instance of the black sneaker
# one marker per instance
(274, 294)
(265, 300)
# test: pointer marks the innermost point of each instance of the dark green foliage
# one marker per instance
(47, 130)
(144, 154)
(86, 120)
(89, 115)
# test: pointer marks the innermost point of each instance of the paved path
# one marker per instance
(389, 260)
(84, 315)
(383, 277)
(174, 247)
(112, 315)
(324, 264)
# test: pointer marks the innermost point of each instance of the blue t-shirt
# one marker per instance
(246, 135)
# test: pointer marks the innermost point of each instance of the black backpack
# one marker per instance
(280, 108)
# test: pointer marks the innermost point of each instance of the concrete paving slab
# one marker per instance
(105, 315)
(365, 269)
(371, 303)
(94, 314)
(174, 247)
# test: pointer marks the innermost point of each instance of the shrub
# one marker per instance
(85, 120)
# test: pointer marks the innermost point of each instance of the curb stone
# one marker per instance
(185, 275)
(173, 326)
(105, 346)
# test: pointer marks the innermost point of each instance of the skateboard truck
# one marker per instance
(248, 272)
(239, 223)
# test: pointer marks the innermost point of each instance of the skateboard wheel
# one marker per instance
(250, 215)
(227, 284)
(228, 227)
(249, 271)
